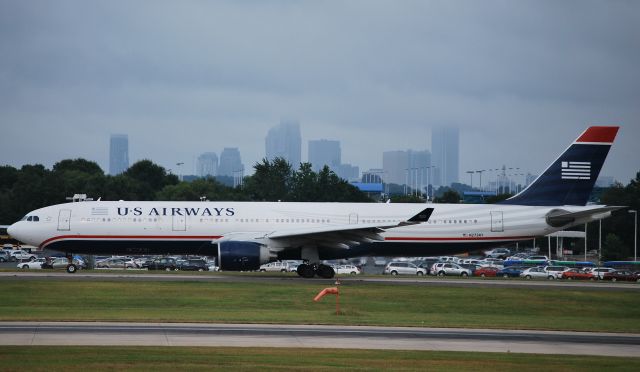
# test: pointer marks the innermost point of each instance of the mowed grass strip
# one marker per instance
(54, 358)
(291, 303)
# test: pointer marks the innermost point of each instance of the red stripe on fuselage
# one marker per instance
(483, 238)
(599, 135)
(124, 237)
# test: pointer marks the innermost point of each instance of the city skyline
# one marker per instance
(519, 79)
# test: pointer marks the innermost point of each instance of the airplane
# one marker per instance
(244, 235)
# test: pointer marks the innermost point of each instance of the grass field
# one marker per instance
(291, 302)
(54, 358)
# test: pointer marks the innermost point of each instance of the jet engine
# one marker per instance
(243, 256)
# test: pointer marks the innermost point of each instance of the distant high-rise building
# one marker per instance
(395, 165)
(207, 164)
(347, 171)
(324, 152)
(419, 172)
(230, 162)
(409, 167)
(373, 175)
(284, 141)
(445, 148)
(118, 154)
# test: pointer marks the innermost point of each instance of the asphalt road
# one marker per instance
(305, 336)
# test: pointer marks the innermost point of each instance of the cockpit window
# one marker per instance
(30, 218)
(36, 218)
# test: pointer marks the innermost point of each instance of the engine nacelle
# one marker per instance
(242, 256)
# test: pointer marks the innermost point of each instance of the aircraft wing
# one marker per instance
(344, 236)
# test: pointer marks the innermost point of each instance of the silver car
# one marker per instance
(534, 272)
(446, 268)
(406, 268)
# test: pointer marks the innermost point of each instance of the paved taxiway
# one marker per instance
(251, 335)
(267, 277)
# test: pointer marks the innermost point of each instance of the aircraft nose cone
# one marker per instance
(11, 229)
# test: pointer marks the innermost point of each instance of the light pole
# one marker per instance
(471, 178)
(179, 165)
(480, 171)
(635, 234)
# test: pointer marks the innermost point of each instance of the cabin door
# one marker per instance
(496, 221)
(179, 223)
(64, 220)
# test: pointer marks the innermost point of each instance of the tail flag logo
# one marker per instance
(576, 170)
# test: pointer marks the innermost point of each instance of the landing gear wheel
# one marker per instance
(306, 271)
(325, 271)
(72, 268)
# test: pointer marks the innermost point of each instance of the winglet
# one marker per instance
(422, 216)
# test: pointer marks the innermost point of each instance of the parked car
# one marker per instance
(537, 258)
(621, 275)
(511, 271)
(163, 263)
(116, 263)
(448, 268)
(578, 274)
(35, 264)
(534, 273)
(20, 255)
(346, 269)
(399, 268)
(498, 253)
(275, 266)
(4, 256)
(599, 272)
(61, 263)
(555, 272)
(486, 271)
(194, 265)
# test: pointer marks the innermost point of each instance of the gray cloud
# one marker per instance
(521, 79)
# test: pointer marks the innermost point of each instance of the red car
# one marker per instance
(621, 275)
(486, 271)
(578, 274)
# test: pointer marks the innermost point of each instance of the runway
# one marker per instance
(309, 336)
(279, 278)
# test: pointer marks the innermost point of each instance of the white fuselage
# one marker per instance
(79, 227)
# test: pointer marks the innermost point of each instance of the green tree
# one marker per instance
(449, 196)
(271, 180)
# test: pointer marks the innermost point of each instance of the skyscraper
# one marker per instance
(445, 147)
(324, 152)
(394, 165)
(230, 162)
(284, 141)
(207, 164)
(118, 154)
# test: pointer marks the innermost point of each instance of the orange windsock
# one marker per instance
(326, 291)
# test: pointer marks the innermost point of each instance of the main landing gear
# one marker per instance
(71, 267)
(306, 270)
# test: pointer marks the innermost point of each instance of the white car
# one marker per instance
(599, 272)
(534, 273)
(275, 266)
(20, 255)
(447, 268)
(555, 272)
(36, 264)
(346, 269)
(398, 268)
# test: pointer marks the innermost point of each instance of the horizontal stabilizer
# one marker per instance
(561, 217)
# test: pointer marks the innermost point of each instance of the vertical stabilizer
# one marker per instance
(570, 178)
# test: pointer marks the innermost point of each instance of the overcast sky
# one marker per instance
(521, 79)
